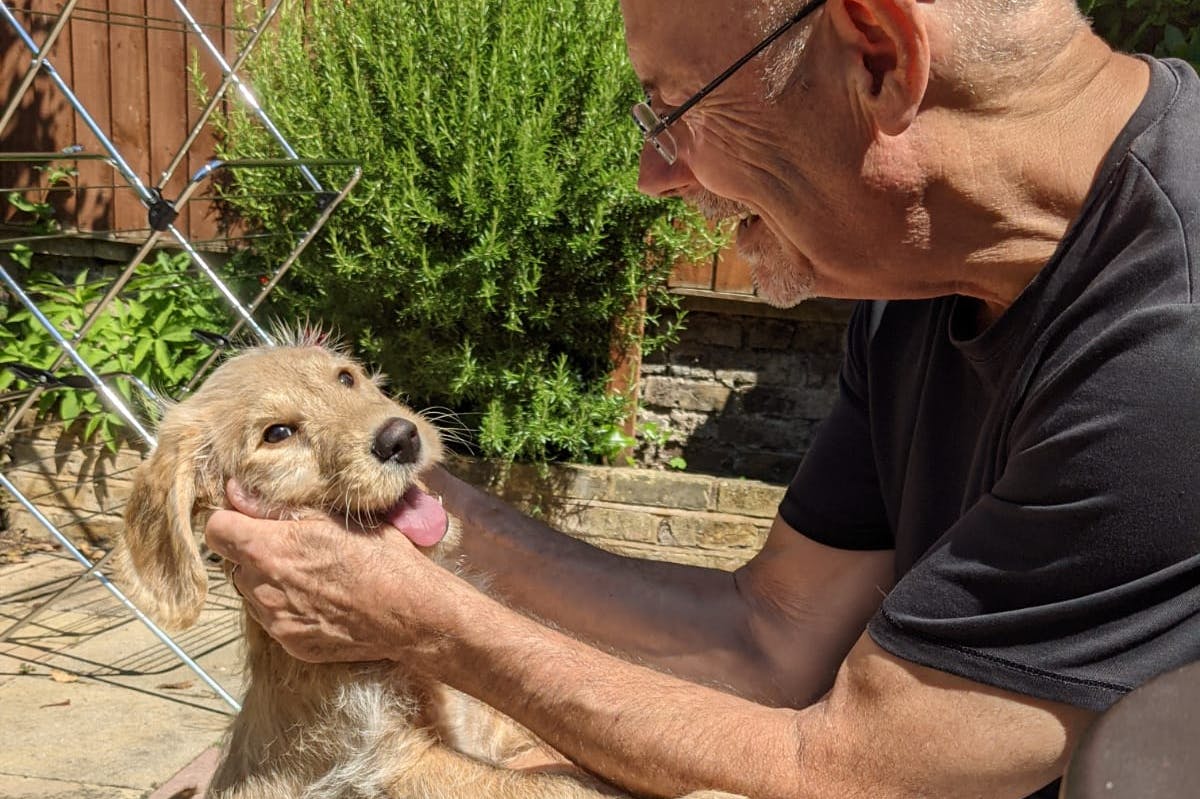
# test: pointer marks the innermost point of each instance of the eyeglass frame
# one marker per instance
(651, 134)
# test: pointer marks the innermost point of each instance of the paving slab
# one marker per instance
(28, 788)
(92, 704)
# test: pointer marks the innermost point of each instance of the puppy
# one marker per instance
(305, 428)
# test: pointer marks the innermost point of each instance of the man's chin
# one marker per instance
(778, 281)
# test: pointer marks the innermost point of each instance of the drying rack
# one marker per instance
(326, 183)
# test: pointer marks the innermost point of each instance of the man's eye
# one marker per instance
(278, 432)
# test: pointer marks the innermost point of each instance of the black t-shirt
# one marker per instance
(1040, 482)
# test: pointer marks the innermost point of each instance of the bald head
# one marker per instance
(984, 40)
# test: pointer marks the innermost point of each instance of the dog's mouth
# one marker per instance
(420, 516)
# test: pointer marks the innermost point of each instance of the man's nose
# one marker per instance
(657, 178)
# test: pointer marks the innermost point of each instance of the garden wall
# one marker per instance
(653, 514)
(742, 391)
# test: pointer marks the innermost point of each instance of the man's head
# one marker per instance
(816, 142)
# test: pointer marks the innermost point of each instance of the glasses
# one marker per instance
(654, 128)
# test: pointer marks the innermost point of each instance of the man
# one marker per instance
(995, 534)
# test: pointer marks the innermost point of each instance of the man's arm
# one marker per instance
(888, 729)
(774, 631)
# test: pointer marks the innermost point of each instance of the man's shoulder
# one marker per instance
(1168, 147)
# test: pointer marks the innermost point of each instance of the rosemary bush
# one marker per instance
(489, 259)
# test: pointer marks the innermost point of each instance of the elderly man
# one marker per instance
(995, 534)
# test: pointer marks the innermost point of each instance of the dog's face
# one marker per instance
(307, 428)
(304, 428)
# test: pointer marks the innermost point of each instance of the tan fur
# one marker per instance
(331, 731)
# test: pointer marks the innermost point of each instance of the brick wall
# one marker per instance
(682, 518)
(743, 389)
(651, 514)
(79, 489)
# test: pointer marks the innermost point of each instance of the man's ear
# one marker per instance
(892, 43)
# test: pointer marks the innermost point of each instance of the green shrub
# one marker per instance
(1161, 27)
(497, 237)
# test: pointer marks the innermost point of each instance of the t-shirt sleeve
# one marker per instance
(835, 496)
(1077, 577)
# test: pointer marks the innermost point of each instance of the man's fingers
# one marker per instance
(231, 534)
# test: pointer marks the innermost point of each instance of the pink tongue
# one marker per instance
(420, 517)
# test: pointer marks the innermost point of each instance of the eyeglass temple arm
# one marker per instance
(670, 118)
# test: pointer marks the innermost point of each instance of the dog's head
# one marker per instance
(304, 428)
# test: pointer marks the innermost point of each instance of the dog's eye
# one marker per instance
(278, 432)
(346, 379)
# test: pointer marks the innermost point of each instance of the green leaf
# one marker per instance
(69, 409)
(93, 424)
(162, 356)
(140, 349)
(176, 333)
(163, 317)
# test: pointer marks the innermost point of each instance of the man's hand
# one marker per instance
(326, 593)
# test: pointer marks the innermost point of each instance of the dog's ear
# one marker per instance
(162, 564)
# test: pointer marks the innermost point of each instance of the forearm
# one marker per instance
(685, 619)
(887, 729)
(647, 731)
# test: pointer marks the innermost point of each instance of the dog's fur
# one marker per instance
(330, 731)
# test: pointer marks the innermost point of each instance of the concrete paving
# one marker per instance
(92, 704)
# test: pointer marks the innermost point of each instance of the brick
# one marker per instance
(769, 466)
(695, 373)
(660, 489)
(615, 524)
(676, 393)
(763, 433)
(711, 531)
(525, 483)
(736, 378)
(748, 498)
(720, 332)
(685, 424)
(790, 403)
(770, 334)
(726, 560)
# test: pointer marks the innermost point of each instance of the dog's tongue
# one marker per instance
(420, 517)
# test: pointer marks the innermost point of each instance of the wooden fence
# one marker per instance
(128, 62)
(132, 63)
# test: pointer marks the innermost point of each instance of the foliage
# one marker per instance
(497, 242)
(146, 331)
(619, 446)
(1161, 27)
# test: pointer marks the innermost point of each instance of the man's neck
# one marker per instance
(1016, 173)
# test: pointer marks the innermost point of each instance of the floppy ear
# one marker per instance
(162, 564)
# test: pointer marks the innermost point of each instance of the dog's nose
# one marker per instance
(396, 440)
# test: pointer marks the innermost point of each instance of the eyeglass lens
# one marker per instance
(655, 132)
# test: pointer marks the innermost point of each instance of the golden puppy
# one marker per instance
(306, 429)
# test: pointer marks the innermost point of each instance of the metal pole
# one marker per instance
(102, 388)
(228, 79)
(116, 592)
(117, 161)
(63, 17)
(245, 92)
(305, 240)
